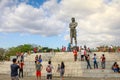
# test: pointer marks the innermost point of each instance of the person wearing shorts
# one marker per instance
(38, 70)
(38, 73)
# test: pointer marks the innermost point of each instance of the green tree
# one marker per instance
(21, 48)
(2, 52)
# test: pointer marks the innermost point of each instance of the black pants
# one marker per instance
(21, 72)
(75, 57)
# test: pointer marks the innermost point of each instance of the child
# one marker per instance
(95, 61)
(58, 69)
(36, 58)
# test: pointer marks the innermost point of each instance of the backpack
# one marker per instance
(48, 69)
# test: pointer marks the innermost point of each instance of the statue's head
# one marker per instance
(73, 19)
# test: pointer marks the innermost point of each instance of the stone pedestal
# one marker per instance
(74, 47)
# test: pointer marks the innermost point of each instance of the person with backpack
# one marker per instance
(95, 61)
(49, 70)
(103, 61)
(39, 68)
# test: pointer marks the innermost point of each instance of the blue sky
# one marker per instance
(14, 39)
(46, 22)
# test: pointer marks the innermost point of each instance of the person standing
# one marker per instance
(62, 70)
(21, 64)
(82, 54)
(49, 70)
(39, 68)
(88, 61)
(14, 70)
(85, 54)
(95, 61)
(58, 68)
(103, 61)
(75, 54)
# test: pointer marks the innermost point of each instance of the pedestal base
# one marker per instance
(74, 47)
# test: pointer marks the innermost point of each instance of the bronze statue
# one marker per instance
(72, 27)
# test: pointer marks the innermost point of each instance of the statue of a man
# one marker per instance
(72, 27)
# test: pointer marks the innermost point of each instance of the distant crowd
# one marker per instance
(84, 55)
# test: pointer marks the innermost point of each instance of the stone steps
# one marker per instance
(69, 56)
(72, 69)
(78, 68)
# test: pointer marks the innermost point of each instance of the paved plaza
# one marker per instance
(7, 77)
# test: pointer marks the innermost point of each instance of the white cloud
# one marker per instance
(27, 19)
(98, 21)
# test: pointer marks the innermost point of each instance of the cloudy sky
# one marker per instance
(46, 22)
